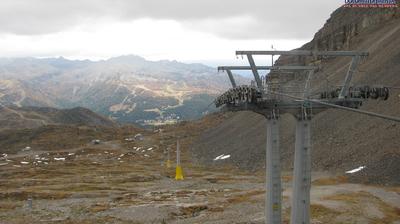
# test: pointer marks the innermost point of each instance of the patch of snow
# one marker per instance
(225, 156)
(149, 149)
(96, 141)
(146, 155)
(2, 164)
(26, 148)
(23, 162)
(138, 137)
(221, 157)
(59, 159)
(71, 154)
(16, 166)
(356, 170)
(218, 157)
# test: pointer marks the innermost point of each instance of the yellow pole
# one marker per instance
(168, 163)
(178, 171)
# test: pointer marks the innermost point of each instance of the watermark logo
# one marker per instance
(370, 4)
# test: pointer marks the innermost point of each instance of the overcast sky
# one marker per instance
(184, 30)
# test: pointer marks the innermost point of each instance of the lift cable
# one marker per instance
(387, 117)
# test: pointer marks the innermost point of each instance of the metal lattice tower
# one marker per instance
(268, 107)
(271, 99)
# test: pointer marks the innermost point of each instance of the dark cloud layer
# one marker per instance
(234, 19)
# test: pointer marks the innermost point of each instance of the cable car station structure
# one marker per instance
(271, 97)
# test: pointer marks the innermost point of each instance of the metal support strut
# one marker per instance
(255, 71)
(300, 213)
(273, 199)
(231, 78)
(352, 69)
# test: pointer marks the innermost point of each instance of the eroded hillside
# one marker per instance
(13, 118)
(341, 140)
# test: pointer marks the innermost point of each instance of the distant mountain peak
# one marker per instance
(127, 58)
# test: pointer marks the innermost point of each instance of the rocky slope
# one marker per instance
(34, 117)
(127, 88)
(341, 140)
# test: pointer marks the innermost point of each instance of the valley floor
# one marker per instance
(127, 182)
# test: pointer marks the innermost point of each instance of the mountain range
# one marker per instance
(126, 88)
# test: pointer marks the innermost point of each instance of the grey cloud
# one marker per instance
(235, 19)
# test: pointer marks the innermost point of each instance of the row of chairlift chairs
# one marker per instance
(239, 94)
(250, 94)
(364, 92)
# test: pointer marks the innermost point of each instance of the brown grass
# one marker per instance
(216, 209)
(331, 181)
(246, 197)
(394, 189)
(8, 205)
(287, 178)
(99, 207)
(193, 210)
(24, 195)
(349, 197)
(356, 200)
(322, 213)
